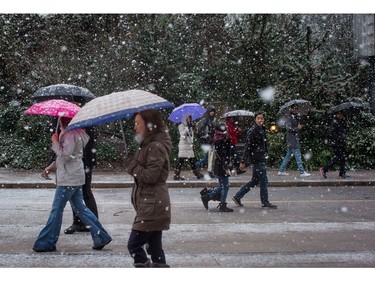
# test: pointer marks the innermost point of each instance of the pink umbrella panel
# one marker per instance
(57, 108)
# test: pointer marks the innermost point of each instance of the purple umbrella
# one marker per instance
(195, 110)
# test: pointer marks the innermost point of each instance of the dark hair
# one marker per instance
(64, 121)
(294, 106)
(259, 113)
(152, 117)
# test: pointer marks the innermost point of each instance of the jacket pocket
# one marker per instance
(146, 208)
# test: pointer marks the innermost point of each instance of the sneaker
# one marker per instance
(282, 174)
(324, 174)
(269, 205)
(39, 250)
(237, 201)
(304, 174)
(76, 228)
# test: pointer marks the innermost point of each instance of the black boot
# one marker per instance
(198, 174)
(143, 265)
(223, 208)
(204, 191)
(177, 176)
(205, 199)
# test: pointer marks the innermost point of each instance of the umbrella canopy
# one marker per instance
(58, 108)
(238, 113)
(304, 107)
(115, 106)
(193, 109)
(63, 91)
(346, 107)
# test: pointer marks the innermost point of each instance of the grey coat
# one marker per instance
(150, 196)
(292, 132)
(69, 153)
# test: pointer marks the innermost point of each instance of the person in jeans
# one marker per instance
(70, 176)
(338, 130)
(150, 196)
(89, 161)
(256, 154)
(221, 169)
(293, 127)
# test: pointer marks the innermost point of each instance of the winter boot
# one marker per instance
(198, 174)
(205, 199)
(204, 191)
(223, 208)
(143, 265)
(177, 176)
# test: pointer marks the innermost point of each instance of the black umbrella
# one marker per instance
(348, 108)
(63, 91)
(304, 107)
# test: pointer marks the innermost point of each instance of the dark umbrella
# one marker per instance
(348, 108)
(304, 107)
(63, 91)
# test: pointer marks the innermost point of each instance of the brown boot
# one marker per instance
(198, 174)
(177, 176)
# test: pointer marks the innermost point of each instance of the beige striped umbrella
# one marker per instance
(116, 106)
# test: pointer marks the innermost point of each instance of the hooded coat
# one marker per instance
(185, 145)
(69, 152)
(206, 126)
(150, 196)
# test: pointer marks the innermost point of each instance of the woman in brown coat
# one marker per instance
(150, 197)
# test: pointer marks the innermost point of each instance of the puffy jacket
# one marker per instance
(150, 196)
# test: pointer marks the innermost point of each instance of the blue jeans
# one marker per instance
(259, 177)
(297, 155)
(49, 235)
(203, 162)
(223, 189)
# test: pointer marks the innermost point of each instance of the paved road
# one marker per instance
(328, 226)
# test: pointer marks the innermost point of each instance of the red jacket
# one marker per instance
(232, 131)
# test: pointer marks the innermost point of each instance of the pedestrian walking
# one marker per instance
(150, 196)
(256, 154)
(206, 131)
(222, 145)
(186, 149)
(89, 161)
(70, 176)
(338, 130)
(293, 128)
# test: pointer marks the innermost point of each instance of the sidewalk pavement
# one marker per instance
(10, 178)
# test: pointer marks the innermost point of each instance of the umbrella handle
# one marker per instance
(57, 125)
(123, 136)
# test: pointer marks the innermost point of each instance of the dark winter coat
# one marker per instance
(206, 127)
(222, 147)
(338, 132)
(255, 146)
(292, 132)
(150, 196)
